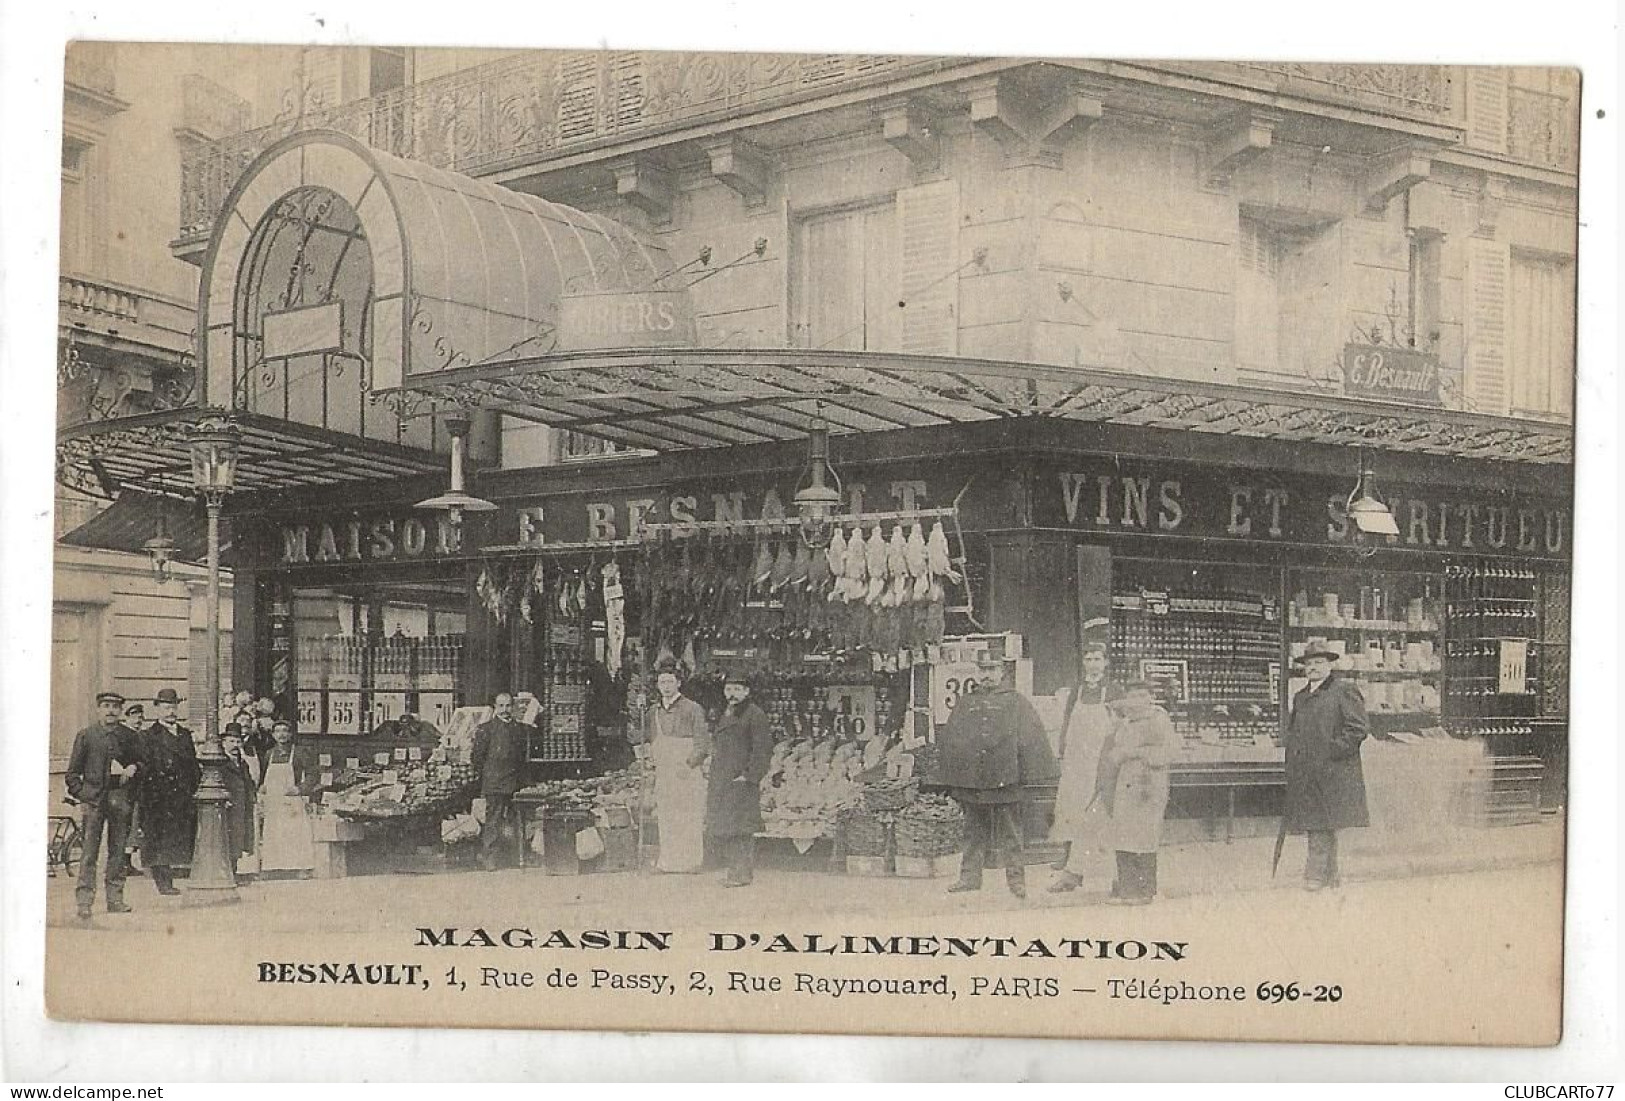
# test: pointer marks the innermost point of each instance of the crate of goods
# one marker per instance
(865, 833)
(932, 826)
(881, 796)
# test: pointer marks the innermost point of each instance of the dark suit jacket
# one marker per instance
(499, 756)
(95, 748)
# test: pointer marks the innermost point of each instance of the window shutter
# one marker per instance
(928, 224)
(578, 96)
(324, 78)
(1486, 383)
(1487, 109)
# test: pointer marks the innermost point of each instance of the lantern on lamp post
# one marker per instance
(214, 446)
(160, 551)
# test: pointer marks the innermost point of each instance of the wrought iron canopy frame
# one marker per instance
(682, 399)
(152, 452)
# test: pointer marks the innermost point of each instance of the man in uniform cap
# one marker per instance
(101, 767)
(168, 813)
(992, 748)
(1325, 784)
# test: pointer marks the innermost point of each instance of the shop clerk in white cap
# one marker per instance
(1325, 784)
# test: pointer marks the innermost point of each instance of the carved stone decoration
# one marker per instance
(647, 186)
(1238, 143)
(742, 166)
(1029, 129)
(1399, 171)
(910, 128)
(1492, 197)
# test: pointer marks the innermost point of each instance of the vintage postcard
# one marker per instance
(953, 545)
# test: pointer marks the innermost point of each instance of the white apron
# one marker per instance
(285, 837)
(679, 805)
(1085, 735)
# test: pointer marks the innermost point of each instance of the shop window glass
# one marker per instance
(1209, 637)
(1259, 252)
(1389, 626)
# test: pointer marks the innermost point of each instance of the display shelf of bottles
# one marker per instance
(1213, 653)
(350, 685)
(563, 690)
(813, 707)
(1492, 650)
(1387, 629)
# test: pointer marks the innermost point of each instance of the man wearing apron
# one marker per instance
(1085, 723)
(286, 845)
(679, 740)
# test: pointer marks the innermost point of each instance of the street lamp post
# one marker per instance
(214, 472)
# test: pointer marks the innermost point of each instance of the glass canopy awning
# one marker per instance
(680, 398)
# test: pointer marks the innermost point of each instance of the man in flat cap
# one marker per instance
(1325, 784)
(168, 813)
(101, 770)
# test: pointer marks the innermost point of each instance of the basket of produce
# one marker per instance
(423, 789)
(933, 825)
(888, 795)
(866, 833)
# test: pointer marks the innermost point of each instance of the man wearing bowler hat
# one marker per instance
(101, 769)
(168, 787)
(741, 750)
(1325, 785)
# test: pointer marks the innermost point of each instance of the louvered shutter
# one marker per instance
(1487, 109)
(1487, 270)
(578, 97)
(928, 232)
(324, 77)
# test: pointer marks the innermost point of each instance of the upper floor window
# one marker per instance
(578, 446)
(847, 282)
(1541, 324)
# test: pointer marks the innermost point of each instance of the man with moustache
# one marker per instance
(101, 768)
(1325, 784)
(499, 758)
(166, 794)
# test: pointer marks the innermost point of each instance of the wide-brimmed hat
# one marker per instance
(1318, 651)
(167, 695)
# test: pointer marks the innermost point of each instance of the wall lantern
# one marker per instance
(1366, 510)
(161, 551)
(456, 500)
(816, 500)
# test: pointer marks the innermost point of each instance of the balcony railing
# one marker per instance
(210, 112)
(1542, 128)
(529, 105)
(1418, 91)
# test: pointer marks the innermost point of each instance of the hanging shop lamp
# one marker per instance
(456, 500)
(816, 500)
(160, 550)
(1366, 510)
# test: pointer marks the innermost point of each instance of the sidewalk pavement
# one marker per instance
(787, 888)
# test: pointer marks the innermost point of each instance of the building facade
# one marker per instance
(1156, 312)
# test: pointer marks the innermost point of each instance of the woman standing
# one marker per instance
(1085, 723)
(1133, 782)
(741, 749)
(679, 742)
(285, 835)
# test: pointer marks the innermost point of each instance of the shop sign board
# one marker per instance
(1391, 374)
(1112, 496)
(626, 319)
(1169, 677)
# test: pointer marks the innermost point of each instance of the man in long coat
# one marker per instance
(1132, 784)
(992, 747)
(241, 788)
(741, 750)
(167, 790)
(101, 767)
(1325, 784)
(499, 752)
